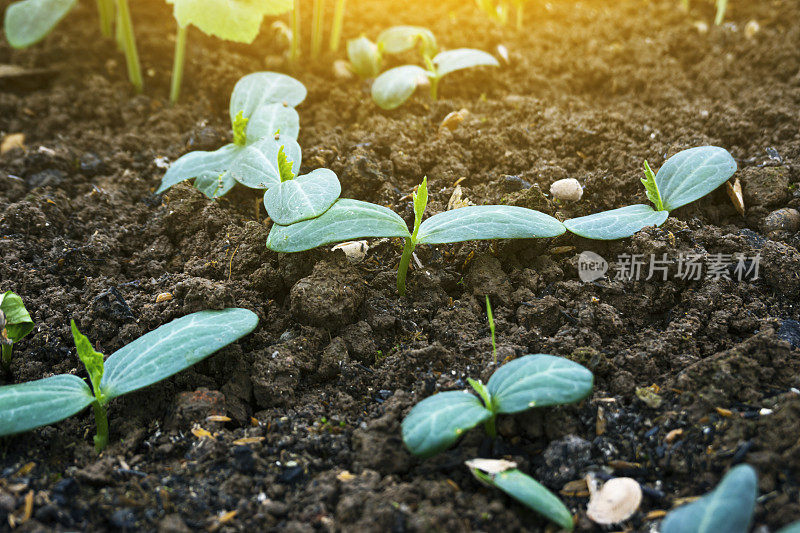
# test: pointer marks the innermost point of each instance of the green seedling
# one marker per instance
(494, 10)
(366, 57)
(729, 507)
(29, 21)
(685, 177)
(722, 7)
(15, 323)
(294, 45)
(317, 15)
(149, 359)
(231, 20)
(353, 219)
(504, 475)
(261, 105)
(298, 198)
(491, 328)
(336, 25)
(539, 380)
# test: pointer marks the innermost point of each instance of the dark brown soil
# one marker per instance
(592, 89)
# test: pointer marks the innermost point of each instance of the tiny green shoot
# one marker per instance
(15, 323)
(294, 46)
(336, 25)
(318, 16)
(149, 359)
(491, 328)
(651, 187)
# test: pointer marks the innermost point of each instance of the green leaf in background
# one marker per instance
(537, 381)
(344, 221)
(173, 347)
(364, 56)
(398, 39)
(692, 174)
(791, 528)
(262, 88)
(18, 321)
(232, 20)
(29, 21)
(439, 420)
(728, 508)
(530, 493)
(461, 58)
(257, 164)
(270, 119)
(91, 359)
(395, 86)
(478, 222)
(42, 402)
(616, 223)
(304, 197)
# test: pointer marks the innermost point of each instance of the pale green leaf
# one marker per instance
(537, 381)
(91, 359)
(530, 493)
(364, 56)
(479, 222)
(395, 86)
(436, 422)
(420, 203)
(232, 20)
(270, 119)
(728, 508)
(18, 321)
(284, 166)
(257, 164)
(794, 527)
(38, 403)
(215, 186)
(399, 39)
(691, 174)
(461, 58)
(240, 129)
(617, 223)
(29, 21)
(200, 164)
(302, 198)
(173, 347)
(344, 221)
(263, 88)
(651, 188)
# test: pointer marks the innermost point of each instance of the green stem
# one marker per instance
(129, 45)
(316, 35)
(722, 6)
(105, 8)
(6, 354)
(520, 14)
(101, 419)
(491, 428)
(177, 64)
(294, 53)
(336, 27)
(435, 88)
(403, 268)
(118, 33)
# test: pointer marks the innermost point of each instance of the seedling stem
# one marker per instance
(316, 35)
(177, 64)
(420, 203)
(294, 53)
(491, 327)
(105, 8)
(336, 27)
(101, 419)
(129, 45)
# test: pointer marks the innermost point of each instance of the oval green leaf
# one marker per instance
(200, 164)
(395, 86)
(531, 494)
(257, 164)
(345, 220)
(479, 222)
(270, 119)
(173, 347)
(617, 223)
(18, 320)
(791, 528)
(303, 197)
(538, 380)
(729, 507)
(436, 422)
(42, 402)
(691, 174)
(262, 88)
(364, 56)
(232, 20)
(461, 58)
(29, 21)
(399, 39)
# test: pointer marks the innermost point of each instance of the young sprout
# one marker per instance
(348, 220)
(262, 104)
(336, 25)
(149, 359)
(685, 177)
(294, 50)
(15, 323)
(232, 20)
(365, 57)
(317, 15)
(538, 380)
(496, 10)
(491, 328)
(722, 7)
(504, 475)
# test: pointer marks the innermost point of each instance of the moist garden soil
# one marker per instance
(318, 391)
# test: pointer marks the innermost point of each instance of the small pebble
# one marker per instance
(164, 297)
(11, 141)
(786, 219)
(751, 29)
(567, 190)
(342, 70)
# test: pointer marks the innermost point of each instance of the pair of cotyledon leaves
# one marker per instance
(366, 57)
(683, 178)
(28, 21)
(267, 101)
(147, 360)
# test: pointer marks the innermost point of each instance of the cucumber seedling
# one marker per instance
(149, 359)
(232, 20)
(347, 220)
(263, 119)
(538, 380)
(683, 178)
(15, 323)
(366, 57)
